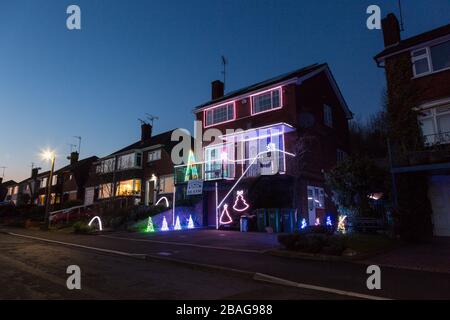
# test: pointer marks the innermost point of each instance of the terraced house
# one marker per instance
(277, 139)
(140, 172)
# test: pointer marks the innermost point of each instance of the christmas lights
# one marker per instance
(341, 228)
(304, 224)
(329, 223)
(177, 224)
(164, 226)
(191, 168)
(240, 204)
(317, 221)
(225, 214)
(163, 198)
(190, 223)
(100, 227)
(150, 227)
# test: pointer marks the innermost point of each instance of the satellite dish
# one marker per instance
(306, 120)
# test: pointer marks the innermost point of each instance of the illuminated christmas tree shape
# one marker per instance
(304, 224)
(341, 225)
(240, 204)
(164, 226)
(191, 168)
(329, 223)
(177, 224)
(225, 217)
(150, 227)
(317, 221)
(190, 223)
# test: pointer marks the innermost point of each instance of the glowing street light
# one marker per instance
(48, 155)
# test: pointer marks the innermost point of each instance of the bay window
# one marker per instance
(435, 124)
(128, 188)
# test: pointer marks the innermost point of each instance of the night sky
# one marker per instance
(159, 57)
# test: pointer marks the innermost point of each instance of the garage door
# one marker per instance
(439, 195)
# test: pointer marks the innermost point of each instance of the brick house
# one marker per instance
(428, 58)
(275, 140)
(7, 190)
(142, 171)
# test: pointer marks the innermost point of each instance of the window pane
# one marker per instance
(421, 66)
(440, 56)
(419, 52)
(444, 123)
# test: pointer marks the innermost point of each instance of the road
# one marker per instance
(38, 270)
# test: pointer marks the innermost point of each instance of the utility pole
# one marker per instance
(47, 199)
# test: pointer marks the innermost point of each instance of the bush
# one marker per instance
(81, 228)
(72, 203)
(311, 242)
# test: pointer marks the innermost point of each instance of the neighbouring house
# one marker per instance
(274, 140)
(7, 190)
(427, 58)
(142, 171)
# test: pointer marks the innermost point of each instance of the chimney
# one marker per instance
(146, 131)
(34, 173)
(73, 158)
(217, 89)
(391, 30)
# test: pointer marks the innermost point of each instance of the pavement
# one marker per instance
(243, 256)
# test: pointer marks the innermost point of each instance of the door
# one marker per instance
(150, 193)
(311, 207)
(439, 195)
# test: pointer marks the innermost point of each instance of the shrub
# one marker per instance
(81, 228)
(313, 242)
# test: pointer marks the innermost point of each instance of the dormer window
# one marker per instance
(266, 101)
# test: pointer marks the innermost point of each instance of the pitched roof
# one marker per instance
(164, 139)
(77, 164)
(413, 41)
(260, 85)
(8, 183)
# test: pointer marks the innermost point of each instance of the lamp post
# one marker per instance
(48, 155)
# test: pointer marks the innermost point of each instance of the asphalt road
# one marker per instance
(113, 276)
(37, 270)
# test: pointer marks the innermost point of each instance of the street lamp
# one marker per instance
(48, 155)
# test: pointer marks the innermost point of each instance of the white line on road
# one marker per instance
(133, 255)
(271, 279)
(186, 244)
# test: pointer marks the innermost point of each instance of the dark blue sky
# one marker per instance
(133, 57)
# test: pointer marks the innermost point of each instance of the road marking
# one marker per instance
(256, 275)
(186, 244)
(121, 253)
(271, 279)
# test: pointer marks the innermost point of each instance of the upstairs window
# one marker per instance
(129, 161)
(266, 101)
(435, 124)
(431, 59)
(44, 182)
(219, 114)
(54, 180)
(327, 116)
(154, 155)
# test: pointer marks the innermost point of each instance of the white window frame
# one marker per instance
(428, 56)
(228, 119)
(434, 115)
(271, 91)
(153, 153)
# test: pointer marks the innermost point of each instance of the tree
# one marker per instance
(353, 181)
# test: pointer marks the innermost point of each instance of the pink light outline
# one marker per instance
(265, 91)
(240, 192)
(218, 106)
